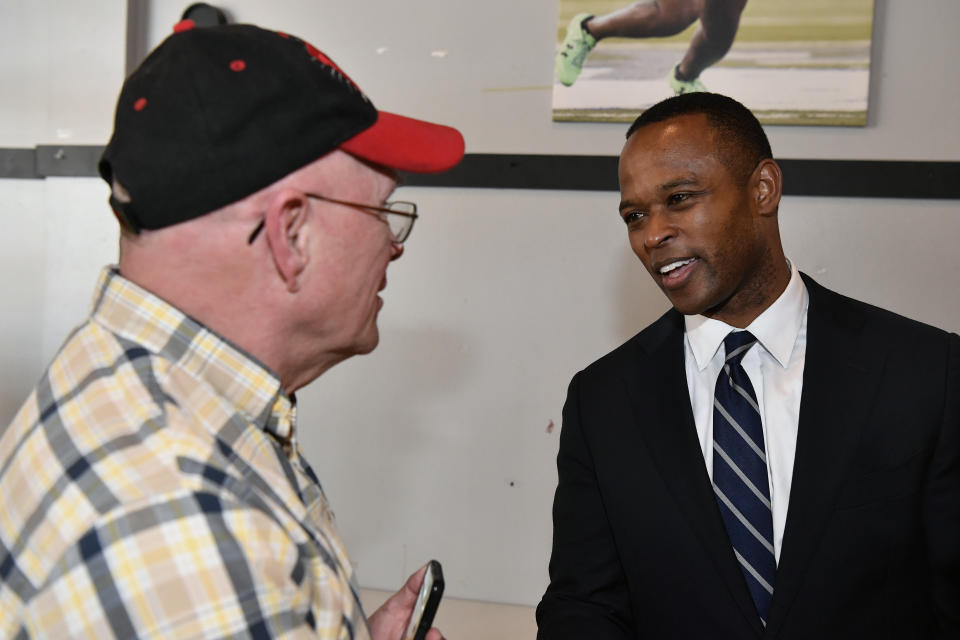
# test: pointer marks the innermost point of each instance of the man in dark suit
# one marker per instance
(769, 459)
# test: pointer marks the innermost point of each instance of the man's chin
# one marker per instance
(368, 343)
(687, 305)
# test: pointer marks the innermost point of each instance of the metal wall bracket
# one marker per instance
(75, 161)
(45, 161)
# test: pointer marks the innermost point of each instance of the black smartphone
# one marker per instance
(427, 602)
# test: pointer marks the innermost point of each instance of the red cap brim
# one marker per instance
(407, 144)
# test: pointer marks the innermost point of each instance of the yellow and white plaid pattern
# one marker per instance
(152, 487)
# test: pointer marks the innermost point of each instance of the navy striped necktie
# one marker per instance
(740, 472)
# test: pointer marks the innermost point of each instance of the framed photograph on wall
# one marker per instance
(803, 62)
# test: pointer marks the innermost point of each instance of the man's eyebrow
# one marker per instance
(679, 182)
(666, 186)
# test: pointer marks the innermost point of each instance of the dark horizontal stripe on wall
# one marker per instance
(500, 171)
(838, 178)
(871, 178)
(858, 178)
(18, 163)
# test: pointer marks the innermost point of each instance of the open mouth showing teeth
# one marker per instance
(675, 265)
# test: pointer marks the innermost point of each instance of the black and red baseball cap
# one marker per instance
(217, 113)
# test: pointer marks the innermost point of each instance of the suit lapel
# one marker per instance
(661, 403)
(840, 375)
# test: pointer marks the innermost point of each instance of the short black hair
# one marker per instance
(740, 137)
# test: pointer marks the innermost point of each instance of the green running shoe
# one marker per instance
(684, 86)
(576, 45)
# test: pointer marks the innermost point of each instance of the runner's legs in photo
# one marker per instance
(719, 20)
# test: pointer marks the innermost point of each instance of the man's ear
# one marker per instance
(285, 223)
(769, 186)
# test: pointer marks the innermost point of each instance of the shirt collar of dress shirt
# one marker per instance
(776, 328)
(135, 314)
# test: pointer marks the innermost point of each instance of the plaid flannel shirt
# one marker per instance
(151, 487)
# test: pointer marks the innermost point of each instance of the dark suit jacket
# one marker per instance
(872, 541)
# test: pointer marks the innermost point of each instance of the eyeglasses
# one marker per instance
(399, 216)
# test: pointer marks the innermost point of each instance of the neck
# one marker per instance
(207, 281)
(755, 295)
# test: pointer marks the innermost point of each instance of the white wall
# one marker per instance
(61, 66)
(501, 295)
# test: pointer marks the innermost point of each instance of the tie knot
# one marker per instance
(736, 344)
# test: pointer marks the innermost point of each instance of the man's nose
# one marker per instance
(657, 231)
(397, 251)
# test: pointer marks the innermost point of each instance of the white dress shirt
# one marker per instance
(775, 368)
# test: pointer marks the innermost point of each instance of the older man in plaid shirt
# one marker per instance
(152, 485)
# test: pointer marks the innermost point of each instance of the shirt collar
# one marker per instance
(776, 328)
(137, 315)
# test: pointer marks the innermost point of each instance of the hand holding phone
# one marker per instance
(427, 602)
